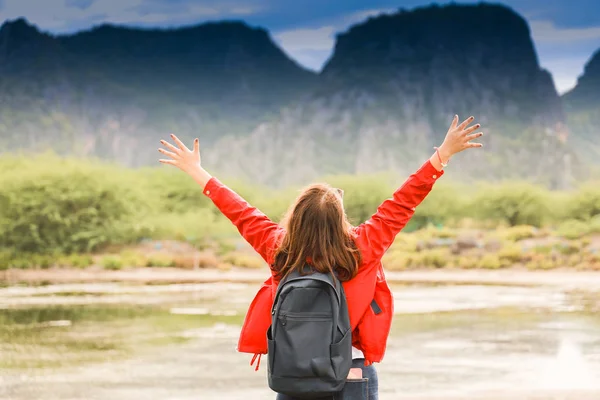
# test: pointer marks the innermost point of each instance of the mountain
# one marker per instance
(582, 105)
(384, 99)
(113, 91)
(391, 88)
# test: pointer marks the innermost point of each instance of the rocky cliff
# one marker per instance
(113, 91)
(390, 90)
(384, 99)
(582, 105)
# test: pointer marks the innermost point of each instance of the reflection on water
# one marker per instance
(569, 369)
(463, 341)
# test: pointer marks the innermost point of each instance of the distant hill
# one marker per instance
(106, 91)
(383, 100)
(394, 82)
(582, 105)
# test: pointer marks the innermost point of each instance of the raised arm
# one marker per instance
(378, 233)
(258, 230)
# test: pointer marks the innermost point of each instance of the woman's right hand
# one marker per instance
(187, 160)
(458, 138)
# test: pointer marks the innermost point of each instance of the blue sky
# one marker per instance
(566, 32)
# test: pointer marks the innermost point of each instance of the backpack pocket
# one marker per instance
(296, 353)
(341, 356)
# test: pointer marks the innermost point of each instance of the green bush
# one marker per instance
(573, 229)
(511, 253)
(111, 263)
(444, 204)
(160, 261)
(514, 203)
(53, 205)
(492, 261)
(55, 211)
(517, 233)
(362, 194)
(171, 191)
(585, 203)
(194, 226)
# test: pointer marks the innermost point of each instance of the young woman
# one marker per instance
(316, 231)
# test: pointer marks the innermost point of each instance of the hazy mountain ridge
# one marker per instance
(381, 103)
(388, 94)
(583, 107)
(110, 89)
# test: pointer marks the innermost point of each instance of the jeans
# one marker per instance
(355, 389)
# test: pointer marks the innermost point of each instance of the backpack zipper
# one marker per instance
(303, 317)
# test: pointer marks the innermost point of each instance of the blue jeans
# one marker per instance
(355, 389)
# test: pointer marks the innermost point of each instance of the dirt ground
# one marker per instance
(586, 280)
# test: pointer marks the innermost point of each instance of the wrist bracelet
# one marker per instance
(437, 151)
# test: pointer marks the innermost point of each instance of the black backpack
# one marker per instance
(309, 341)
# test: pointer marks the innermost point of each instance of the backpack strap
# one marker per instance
(335, 307)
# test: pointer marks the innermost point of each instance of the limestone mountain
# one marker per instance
(112, 91)
(383, 100)
(391, 88)
(582, 105)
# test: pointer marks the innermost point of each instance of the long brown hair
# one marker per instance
(317, 233)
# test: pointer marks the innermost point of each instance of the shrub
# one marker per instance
(511, 253)
(244, 260)
(206, 259)
(573, 229)
(436, 258)
(517, 233)
(55, 205)
(81, 260)
(195, 227)
(491, 261)
(514, 203)
(160, 260)
(396, 261)
(585, 203)
(447, 202)
(362, 194)
(133, 259)
(172, 191)
(111, 263)
(468, 262)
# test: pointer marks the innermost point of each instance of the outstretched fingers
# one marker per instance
(472, 145)
(454, 123)
(179, 143)
(473, 136)
(170, 146)
(168, 153)
(196, 146)
(172, 162)
(471, 129)
(465, 123)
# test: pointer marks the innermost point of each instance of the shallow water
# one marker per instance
(463, 341)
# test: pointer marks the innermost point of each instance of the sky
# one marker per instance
(565, 32)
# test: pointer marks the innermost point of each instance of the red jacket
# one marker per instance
(370, 301)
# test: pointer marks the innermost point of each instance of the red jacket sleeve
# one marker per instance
(258, 230)
(378, 233)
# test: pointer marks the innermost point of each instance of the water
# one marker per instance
(172, 342)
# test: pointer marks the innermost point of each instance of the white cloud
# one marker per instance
(244, 10)
(547, 32)
(565, 71)
(312, 47)
(60, 15)
(564, 51)
(307, 39)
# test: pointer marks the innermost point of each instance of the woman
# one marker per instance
(317, 231)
